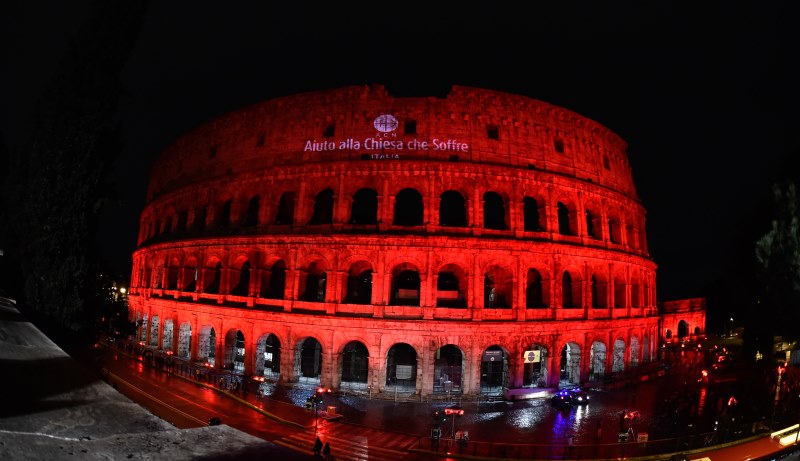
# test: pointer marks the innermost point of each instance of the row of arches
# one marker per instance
(400, 366)
(592, 218)
(405, 283)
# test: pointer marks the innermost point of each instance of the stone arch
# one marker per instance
(354, 364)
(408, 208)
(223, 217)
(154, 322)
(452, 285)
(620, 290)
(207, 345)
(533, 214)
(537, 291)
(406, 286)
(358, 283)
(185, 341)
(173, 273)
(592, 214)
(323, 207)
(268, 357)
(241, 267)
(494, 211)
(191, 273)
(167, 335)
(597, 361)
(599, 290)
(234, 348)
(535, 359)
(567, 224)
(364, 209)
(313, 287)
(618, 362)
(683, 329)
(448, 369)
(452, 209)
(635, 351)
(285, 210)
(401, 367)
(570, 364)
(253, 211)
(494, 370)
(308, 360)
(614, 226)
(498, 285)
(571, 293)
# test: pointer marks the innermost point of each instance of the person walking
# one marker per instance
(326, 452)
(317, 446)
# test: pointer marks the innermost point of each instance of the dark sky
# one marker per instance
(704, 95)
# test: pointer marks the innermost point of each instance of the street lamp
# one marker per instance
(454, 412)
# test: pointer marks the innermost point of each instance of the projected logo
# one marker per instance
(385, 123)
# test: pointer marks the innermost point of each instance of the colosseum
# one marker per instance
(476, 243)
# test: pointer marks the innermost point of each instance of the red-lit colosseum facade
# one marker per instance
(421, 245)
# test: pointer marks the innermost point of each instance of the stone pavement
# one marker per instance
(52, 409)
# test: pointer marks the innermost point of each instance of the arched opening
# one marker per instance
(570, 371)
(447, 369)
(452, 209)
(190, 274)
(173, 271)
(564, 227)
(214, 276)
(449, 290)
(355, 365)
(534, 373)
(200, 216)
(593, 224)
(308, 362)
(253, 207)
(405, 288)
(497, 288)
(185, 341)
(323, 208)
(683, 329)
(224, 215)
(268, 363)
(534, 294)
(619, 292)
(166, 340)
(273, 282)
(242, 287)
(365, 207)
(618, 364)
(401, 368)
(567, 300)
(530, 215)
(285, 209)
(207, 345)
(234, 351)
(359, 284)
(634, 361)
(154, 331)
(597, 361)
(494, 370)
(646, 350)
(697, 331)
(315, 283)
(408, 208)
(614, 230)
(143, 328)
(668, 334)
(494, 211)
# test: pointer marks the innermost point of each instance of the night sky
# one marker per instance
(705, 96)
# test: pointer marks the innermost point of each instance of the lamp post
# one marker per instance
(454, 412)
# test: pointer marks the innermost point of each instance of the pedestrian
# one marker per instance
(326, 452)
(317, 446)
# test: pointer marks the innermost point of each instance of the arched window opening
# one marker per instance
(497, 289)
(200, 218)
(224, 215)
(401, 367)
(172, 275)
(285, 209)
(683, 329)
(405, 289)
(408, 208)
(592, 229)
(253, 207)
(563, 220)
(494, 211)
(597, 361)
(365, 207)
(566, 291)
(359, 286)
(309, 361)
(243, 286)
(530, 213)
(316, 280)
(534, 295)
(448, 291)
(614, 230)
(619, 293)
(595, 292)
(494, 370)
(355, 363)
(323, 208)
(216, 277)
(181, 222)
(535, 359)
(447, 369)
(273, 285)
(452, 209)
